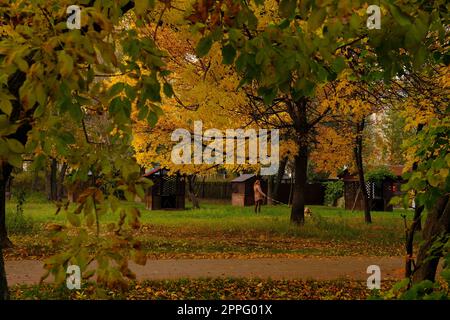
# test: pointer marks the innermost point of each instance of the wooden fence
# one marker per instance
(222, 190)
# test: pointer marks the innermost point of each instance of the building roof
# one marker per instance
(243, 177)
(151, 171)
(396, 169)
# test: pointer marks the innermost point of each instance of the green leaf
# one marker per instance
(142, 6)
(73, 219)
(152, 118)
(284, 24)
(317, 18)
(402, 18)
(75, 112)
(115, 89)
(130, 92)
(287, 8)
(355, 21)
(67, 137)
(15, 160)
(65, 64)
(228, 54)
(143, 112)
(420, 57)
(241, 62)
(168, 90)
(433, 179)
(128, 195)
(6, 106)
(203, 46)
(152, 89)
(140, 191)
(15, 146)
(21, 64)
(115, 105)
(338, 64)
(41, 95)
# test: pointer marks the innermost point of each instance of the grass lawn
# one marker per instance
(221, 230)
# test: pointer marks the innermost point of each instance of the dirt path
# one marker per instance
(330, 268)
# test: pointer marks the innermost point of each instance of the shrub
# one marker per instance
(333, 191)
(17, 222)
(26, 180)
(379, 174)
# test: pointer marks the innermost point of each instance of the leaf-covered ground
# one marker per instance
(173, 242)
(223, 289)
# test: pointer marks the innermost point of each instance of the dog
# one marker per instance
(307, 212)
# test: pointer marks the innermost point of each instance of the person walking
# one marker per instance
(259, 195)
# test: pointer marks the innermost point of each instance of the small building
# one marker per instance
(380, 194)
(167, 191)
(242, 190)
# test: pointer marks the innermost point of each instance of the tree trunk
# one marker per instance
(437, 224)
(34, 181)
(8, 191)
(53, 180)
(270, 190)
(291, 190)
(278, 179)
(191, 192)
(60, 186)
(298, 201)
(418, 216)
(359, 164)
(410, 240)
(4, 293)
(5, 173)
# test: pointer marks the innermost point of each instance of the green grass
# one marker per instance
(327, 222)
(219, 228)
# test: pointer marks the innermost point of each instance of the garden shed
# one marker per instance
(380, 193)
(242, 190)
(167, 191)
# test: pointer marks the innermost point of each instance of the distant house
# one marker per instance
(167, 191)
(380, 194)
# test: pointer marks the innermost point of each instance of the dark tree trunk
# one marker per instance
(60, 186)
(270, 190)
(278, 179)
(437, 224)
(418, 216)
(4, 293)
(5, 173)
(191, 192)
(291, 190)
(298, 114)
(359, 164)
(410, 240)
(34, 181)
(298, 200)
(418, 209)
(53, 180)
(8, 190)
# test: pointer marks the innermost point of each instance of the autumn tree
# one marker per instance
(285, 50)
(204, 89)
(424, 107)
(47, 71)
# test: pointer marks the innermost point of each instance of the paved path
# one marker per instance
(318, 268)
